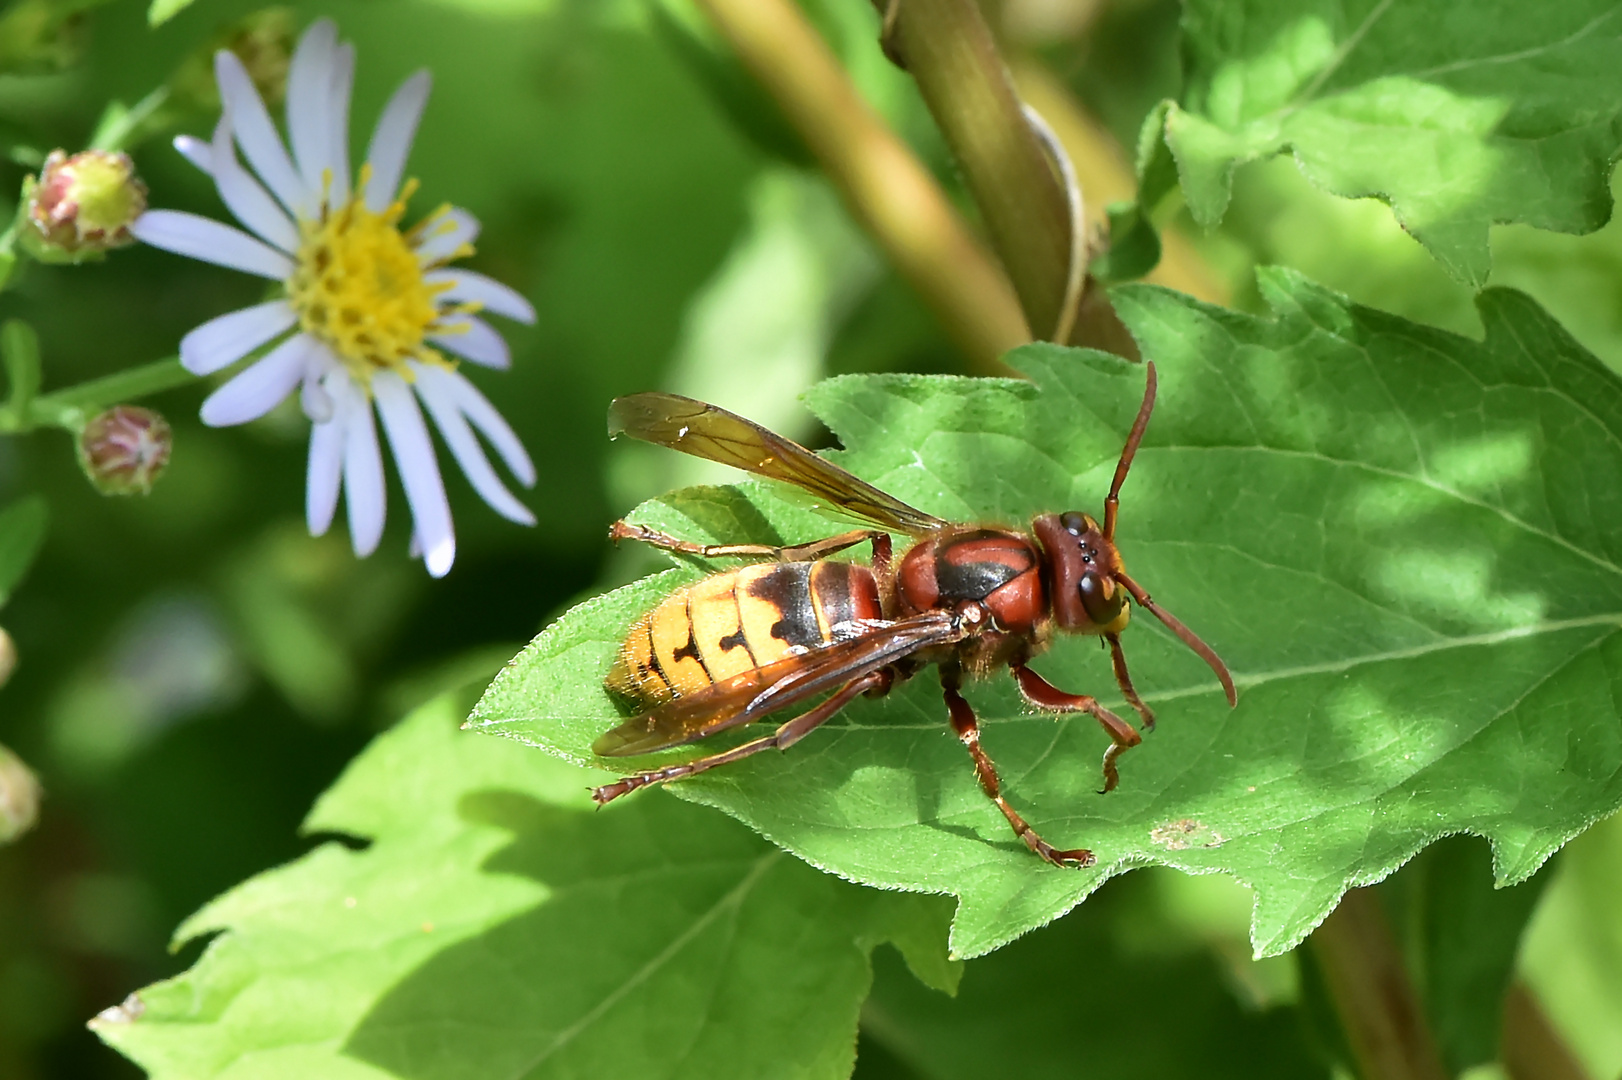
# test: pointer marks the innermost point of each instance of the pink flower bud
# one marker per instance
(124, 449)
(83, 204)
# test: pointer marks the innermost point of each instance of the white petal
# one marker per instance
(419, 472)
(446, 234)
(244, 197)
(320, 367)
(257, 136)
(476, 340)
(309, 82)
(496, 297)
(260, 388)
(363, 466)
(321, 477)
(315, 401)
(204, 238)
(224, 340)
(477, 408)
(464, 446)
(343, 81)
(391, 140)
(196, 151)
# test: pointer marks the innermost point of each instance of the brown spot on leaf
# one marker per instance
(1186, 833)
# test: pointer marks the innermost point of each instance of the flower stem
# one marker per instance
(1379, 1011)
(118, 124)
(951, 52)
(1105, 172)
(70, 408)
(883, 184)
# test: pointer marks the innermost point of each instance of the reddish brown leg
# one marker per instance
(968, 731)
(781, 739)
(1124, 681)
(816, 549)
(1044, 695)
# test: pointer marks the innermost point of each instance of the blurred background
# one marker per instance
(194, 668)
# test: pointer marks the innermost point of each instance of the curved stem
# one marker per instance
(71, 407)
(883, 184)
(951, 52)
(1105, 174)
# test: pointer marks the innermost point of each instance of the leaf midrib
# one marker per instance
(1327, 667)
(732, 899)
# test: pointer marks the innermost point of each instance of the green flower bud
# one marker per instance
(19, 796)
(124, 449)
(81, 206)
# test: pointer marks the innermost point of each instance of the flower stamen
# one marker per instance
(359, 287)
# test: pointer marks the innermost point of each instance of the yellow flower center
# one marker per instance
(358, 286)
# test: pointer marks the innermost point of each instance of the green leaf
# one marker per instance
(162, 11)
(1134, 246)
(496, 926)
(1459, 116)
(1405, 543)
(22, 531)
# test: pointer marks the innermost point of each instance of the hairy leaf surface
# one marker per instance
(1406, 544)
(1458, 115)
(496, 927)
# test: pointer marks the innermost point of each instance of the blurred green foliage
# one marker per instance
(193, 670)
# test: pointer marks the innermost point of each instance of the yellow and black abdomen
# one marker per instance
(735, 621)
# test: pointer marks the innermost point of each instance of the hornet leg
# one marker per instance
(1044, 695)
(781, 739)
(968, 731)
(1124, 681)
(816, 549)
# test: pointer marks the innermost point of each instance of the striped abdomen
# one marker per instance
(732, 622)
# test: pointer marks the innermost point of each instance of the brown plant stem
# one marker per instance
(1106, 176)
(883, 184)
(1379, 1011)
(951, 52)
(1531, 1047)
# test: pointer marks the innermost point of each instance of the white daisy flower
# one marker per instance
(366, 306)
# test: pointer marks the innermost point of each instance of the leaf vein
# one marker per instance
(732, 899)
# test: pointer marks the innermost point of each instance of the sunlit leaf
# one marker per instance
(1459, 116)
(496, 926)
(162, 11)
(1405, 543)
